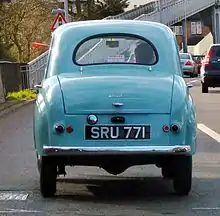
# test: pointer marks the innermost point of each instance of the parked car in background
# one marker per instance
(198, 60)
(188, 65)
(210, 69)
(121, 103)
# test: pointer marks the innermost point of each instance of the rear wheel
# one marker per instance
(204, 88)
(48, 175)
(182, 182)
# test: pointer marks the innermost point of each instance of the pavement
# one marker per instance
(91, 191)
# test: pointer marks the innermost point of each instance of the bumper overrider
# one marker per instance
(70, 151)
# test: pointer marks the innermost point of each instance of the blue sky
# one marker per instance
(137, 2)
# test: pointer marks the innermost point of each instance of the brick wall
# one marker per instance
(205, 31)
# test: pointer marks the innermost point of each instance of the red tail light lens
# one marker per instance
(188, 63)
(207, 58)
(166, 128)
(59, 128)
(175, 128)
(69, 129)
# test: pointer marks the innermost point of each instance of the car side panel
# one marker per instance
(183, 112)
(48, 109)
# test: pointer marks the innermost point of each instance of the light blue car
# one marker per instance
(113, 96)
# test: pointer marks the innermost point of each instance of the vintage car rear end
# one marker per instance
(114, 96)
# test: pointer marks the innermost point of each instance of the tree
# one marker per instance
(4, 54)
(23, 22)
(26, 21)
(105, 8)
(98, 9)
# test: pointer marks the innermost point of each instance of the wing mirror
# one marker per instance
(37, 88)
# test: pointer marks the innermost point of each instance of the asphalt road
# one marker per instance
(91, 191)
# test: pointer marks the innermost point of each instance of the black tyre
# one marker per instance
(182, 182)
(204, 88)
(48, 176)
(167, 172)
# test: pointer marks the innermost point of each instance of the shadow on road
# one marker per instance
(119, 188)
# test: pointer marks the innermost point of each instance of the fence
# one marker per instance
(12, 77)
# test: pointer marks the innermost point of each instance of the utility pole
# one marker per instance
(216, 22)
(184, 25)
(66, 8)
(160, 11)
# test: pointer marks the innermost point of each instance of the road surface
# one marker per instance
(91, 191)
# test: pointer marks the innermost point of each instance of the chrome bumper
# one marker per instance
(69, 151)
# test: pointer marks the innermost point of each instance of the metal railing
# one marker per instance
(176, 11)
(36, 69)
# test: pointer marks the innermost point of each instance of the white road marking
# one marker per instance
(209, 132)
(18, 211)
(204, 208)
(13, 196)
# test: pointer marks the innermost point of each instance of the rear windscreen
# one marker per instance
(115, 49)
(184, 56)
(215, 53)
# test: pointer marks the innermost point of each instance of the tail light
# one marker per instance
(188, 63)
(175, 128)
(69, 129)
(166, 128)
(205, 62)
(59, 128)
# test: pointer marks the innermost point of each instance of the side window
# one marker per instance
(216, 52)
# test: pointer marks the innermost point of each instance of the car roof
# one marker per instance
(118, 25)
(214, 45)
(67, 38)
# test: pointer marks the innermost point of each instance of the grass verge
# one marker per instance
(14, 98)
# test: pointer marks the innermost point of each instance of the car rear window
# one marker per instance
(115, 49)
(184, 56)
(215, 52)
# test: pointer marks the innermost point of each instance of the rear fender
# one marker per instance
(183, 113)
(48, 110)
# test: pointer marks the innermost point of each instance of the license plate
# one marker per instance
(127, 132)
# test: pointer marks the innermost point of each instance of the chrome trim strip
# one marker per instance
(59, 150)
